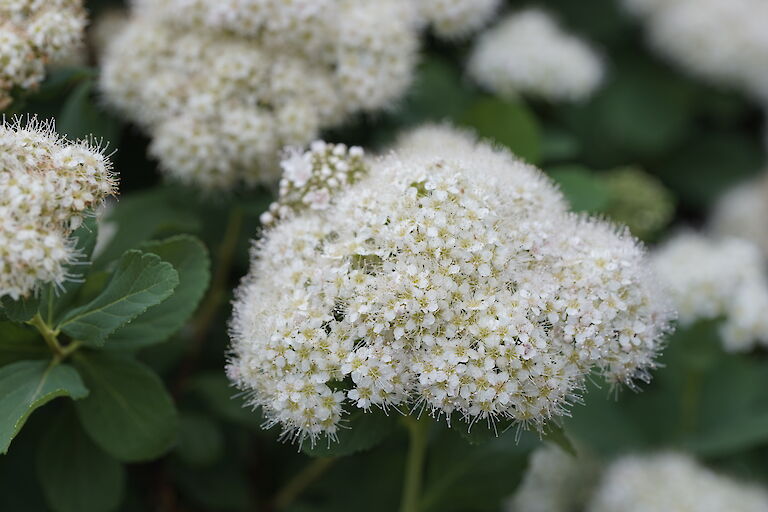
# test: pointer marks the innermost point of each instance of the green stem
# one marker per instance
(311, 472)
(50, 336)
(690, 400)
(217, 292)
(418, 430)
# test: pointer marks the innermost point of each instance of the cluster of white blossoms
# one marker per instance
(222, 86)
(673, 483)
(555, 481)
(33, 33)
(46, 186)
(722, 40)
(454, 19)
(742, 213)
(528, 53)
(710, 278)
(311, 178)
(452, 281)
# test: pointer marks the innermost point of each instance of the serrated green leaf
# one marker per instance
(160, 215)
(55, 299)
(20, 310)
(201, 442)
(82, 117)
(506, 122)
(20, 343)
(27, 385)
(582, 187)
(129, 413)
(190, 259)
(361, 431)
(556, 434)
(75, 474)
(224, 400)
(141, 280)
(465, 477)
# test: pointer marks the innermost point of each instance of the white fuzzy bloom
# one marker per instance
(710, 278)
(46, 185)
(555, 481)
(221, 86)
(724, 41)
(455, 19)
(33, 33)
(672, 482)
(457, 283)
(743, 213)
(529, 54)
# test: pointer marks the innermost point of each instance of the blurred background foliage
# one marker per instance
(652, 148)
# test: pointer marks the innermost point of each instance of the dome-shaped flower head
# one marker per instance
(724, 41)
(672, 482)
(556, 481)
(742, 213)
(452, 281)
(32, 33)
(709, 278)
(46, 185)
(455, 19)
(528, 53)
(222, 86)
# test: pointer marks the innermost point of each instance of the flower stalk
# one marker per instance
(418, 433)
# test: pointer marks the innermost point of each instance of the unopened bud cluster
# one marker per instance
(528, 53)
(222, 86)
(33, 33)
(46, 186)
(452, 281)
(311, 178)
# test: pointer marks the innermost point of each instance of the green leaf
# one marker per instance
(143, 215)
(190, 259)
(556, 434)
(224, 400)
(506, 122)
(19, 343)
(129, 413)
(76, 475)
(437, 93)
(82, 117)
(22, 309)
(27, 385)
(583, 188)
(361, 431)
(464, 477)
(201, 442)
(55, 299)
(141, 280)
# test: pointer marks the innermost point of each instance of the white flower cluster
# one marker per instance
(555, 481)
(454, 19)
(743, 213)
(722, 40)
(529, 54)
(453, 281)
(710, 278)
(311, 178)
(33, 33)
(672, 482)
(46, 185)
(221, 86)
